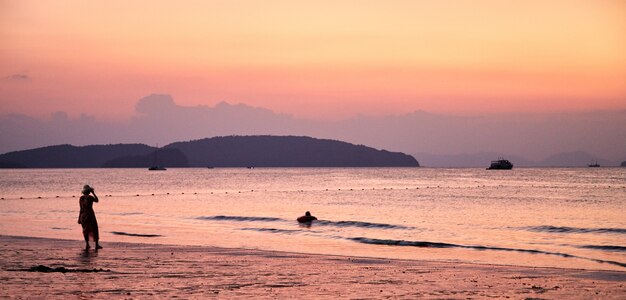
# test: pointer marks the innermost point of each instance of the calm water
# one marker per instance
(534, 217)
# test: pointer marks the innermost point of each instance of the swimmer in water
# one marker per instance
(307, 218)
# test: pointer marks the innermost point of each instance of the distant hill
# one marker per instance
(164, 157)
(573, 159)
(623, 164)
(473, 160)
(68, 156)
(287, 151)
(11, 165)
(231, 151)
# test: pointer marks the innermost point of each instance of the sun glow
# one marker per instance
(319, 59)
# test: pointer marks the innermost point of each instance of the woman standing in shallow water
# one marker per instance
(87, 217)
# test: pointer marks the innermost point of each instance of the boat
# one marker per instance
(594, 165)
(156, 166)
(500, 164)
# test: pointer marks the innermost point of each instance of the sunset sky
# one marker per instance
(323, 60)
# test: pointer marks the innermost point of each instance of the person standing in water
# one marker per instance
(87, 217)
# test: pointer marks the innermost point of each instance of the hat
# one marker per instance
(87, 189)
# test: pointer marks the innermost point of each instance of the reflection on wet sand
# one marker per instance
(167, 271)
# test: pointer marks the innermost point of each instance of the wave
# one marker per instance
(361, 224)
(273, 230)
(604, 247)
(318, 222)
(240, 218)
(135, 234)
(565, 229)
(128, 214)
(402, 243)
(425, 244)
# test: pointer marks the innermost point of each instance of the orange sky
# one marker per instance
(314, 59)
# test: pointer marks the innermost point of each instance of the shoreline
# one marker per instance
(141, 270)
(164, 245)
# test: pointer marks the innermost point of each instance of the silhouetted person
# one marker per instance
(307, 218)
(87, 217)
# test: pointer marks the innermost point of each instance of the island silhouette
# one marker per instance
(225, 151)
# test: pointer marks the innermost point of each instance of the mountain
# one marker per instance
(231, 151)
(68, 156)
(287, 151)
(573, 159)
(623, 164)
(563, 159)
(161, 157)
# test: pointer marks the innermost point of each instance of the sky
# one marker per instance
(319, 60)
(555, 139)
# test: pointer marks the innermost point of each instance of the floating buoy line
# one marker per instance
(307, 191)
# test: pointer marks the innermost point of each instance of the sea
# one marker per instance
(539, 217)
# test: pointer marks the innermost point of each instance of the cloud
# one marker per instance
(155, 104)
(18, 77)
(437, 140)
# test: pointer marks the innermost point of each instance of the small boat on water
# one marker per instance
(500, 164)
(594, 165)
(156, 166)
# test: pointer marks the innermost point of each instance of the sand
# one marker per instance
(52, 268)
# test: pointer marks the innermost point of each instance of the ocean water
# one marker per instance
(544, 217)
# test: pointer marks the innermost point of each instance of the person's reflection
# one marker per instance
(87, 255)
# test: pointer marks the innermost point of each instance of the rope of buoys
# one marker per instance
(303, 191)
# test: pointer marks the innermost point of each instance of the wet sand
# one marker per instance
(52, 268)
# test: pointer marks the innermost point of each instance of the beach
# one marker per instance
(56, 268)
